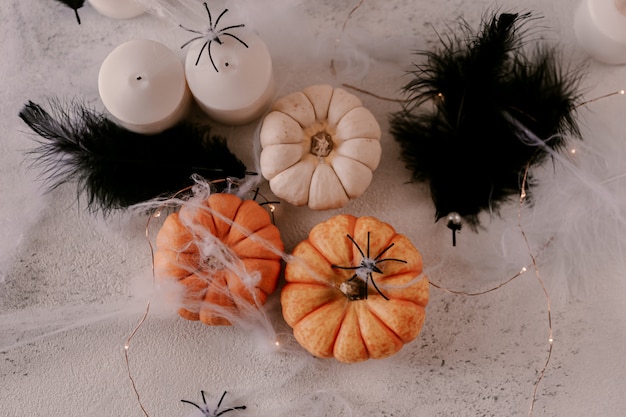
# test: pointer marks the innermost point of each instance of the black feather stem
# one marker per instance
(115, 167)
(468, 146)
(75, 5)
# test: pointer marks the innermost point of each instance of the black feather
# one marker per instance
(117, 168)
(489, 97)
(75, 5)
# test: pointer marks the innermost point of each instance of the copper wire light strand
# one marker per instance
(143, 318)
(360, 90)
(614, 93)
(156, 214)
(473, 294)
(354, 9)
(343, 28)
(544, 289)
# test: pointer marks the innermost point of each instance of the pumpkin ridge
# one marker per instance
(312, 104)
(349, 230)
(331, 301)
(336, 93)
(222, 217)
(373, 313)
(392, 277)
(237, 232)
(346, 306)
(317, 309)
(358, 328)
(315, 316)
(383, 325)
(263, 239)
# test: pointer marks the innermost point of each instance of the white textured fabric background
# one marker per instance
(74, 286)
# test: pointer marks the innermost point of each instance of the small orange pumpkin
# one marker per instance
(354, 290)
(225, 252)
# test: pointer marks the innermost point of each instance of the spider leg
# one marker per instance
(233, 36)
(191, 40)
(376, 286)
(219, 404)
(194, 404)
(376, 269)
(383, 251)
(211, 57)
(357, 245)
(219, 17)
(241, 407)
(202, 50)
(391, 259)
(203, 397)
(230, 27)
(191, 30)
(206, 6)
(368, 244)
(345, 267)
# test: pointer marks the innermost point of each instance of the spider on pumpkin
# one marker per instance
(212, 34)
(368, 266)
(207, 412)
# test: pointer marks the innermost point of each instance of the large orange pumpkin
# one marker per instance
(226, 254)
(354, 290)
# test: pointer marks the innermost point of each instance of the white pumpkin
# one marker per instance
(320, 147)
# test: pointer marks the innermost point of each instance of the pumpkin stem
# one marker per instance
(321, 144)
(354, 289)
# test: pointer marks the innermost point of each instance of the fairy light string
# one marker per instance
(333, 71)
(543, 288)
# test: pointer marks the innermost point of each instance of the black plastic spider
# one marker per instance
(368, 265)
(212, 34)
(207, 412)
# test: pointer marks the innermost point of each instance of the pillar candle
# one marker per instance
(142, 84)
(601, 29)
(118, 9)
(237, 86)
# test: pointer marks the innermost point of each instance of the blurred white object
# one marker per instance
(118, 9)
(601, 29)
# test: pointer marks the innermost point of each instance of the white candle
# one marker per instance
(601, 29)
(142, 84)
(235, 84)
(118, 9)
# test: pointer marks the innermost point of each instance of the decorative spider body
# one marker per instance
(368, 265)
(207, 412)
(212, 34)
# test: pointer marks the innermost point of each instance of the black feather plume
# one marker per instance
(496, 110)
(75, 5)
(117, 168)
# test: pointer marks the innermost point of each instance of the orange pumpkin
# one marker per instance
(354, 290)
(226, 254)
